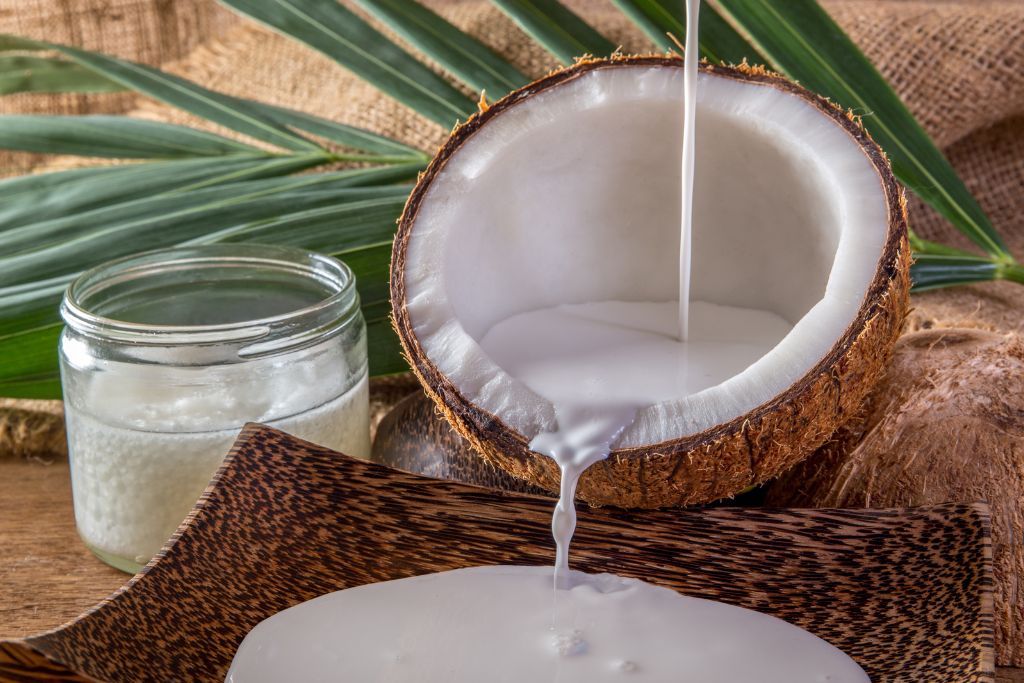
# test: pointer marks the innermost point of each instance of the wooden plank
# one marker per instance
(47, 575)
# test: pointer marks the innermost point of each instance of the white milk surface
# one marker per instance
(493, 625)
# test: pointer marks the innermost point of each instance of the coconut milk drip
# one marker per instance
(598, 364)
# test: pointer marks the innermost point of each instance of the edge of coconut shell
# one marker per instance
(726, 459)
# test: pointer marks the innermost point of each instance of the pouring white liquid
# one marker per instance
(597, 363)
(689, 157)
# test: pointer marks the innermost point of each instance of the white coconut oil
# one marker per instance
(166, 356)
(140, 462)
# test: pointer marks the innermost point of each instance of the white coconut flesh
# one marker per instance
(572, 196)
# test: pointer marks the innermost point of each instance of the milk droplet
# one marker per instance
(569, 644)
(626, 666)
(562, 523)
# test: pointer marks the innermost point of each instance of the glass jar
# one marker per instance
(165, 355)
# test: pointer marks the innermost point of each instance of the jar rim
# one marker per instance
(306, 323)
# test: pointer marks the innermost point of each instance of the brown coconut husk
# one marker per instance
(946, 424)
(730, 457)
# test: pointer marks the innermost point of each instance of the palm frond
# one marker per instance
(21, 73)
(469, 60)
(557, 28)
(113, 136)
(662, 19)
(802, 41)
(349, 40)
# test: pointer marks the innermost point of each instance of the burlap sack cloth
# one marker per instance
(959, 65)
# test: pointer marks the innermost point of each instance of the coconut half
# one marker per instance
(568, 191)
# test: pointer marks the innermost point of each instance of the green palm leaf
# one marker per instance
(112, 136)
(383, 150)
(343, 36)
(383, 348)
(234, 113)
(66, 246)
(719, 42)
(468, 59)
(932, 271)
(32, 371)
(557, 28)
(37, 198)
(269, 123)
(43, 74)
(370, 263)
(802, 40)
(367, 223)
(55, 225)
(29, 328)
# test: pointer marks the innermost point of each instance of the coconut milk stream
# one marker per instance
(689, 156)
(598, 364)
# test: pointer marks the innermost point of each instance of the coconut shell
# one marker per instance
(946, 424)
(726, 459)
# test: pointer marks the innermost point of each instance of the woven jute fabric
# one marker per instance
(149, 31)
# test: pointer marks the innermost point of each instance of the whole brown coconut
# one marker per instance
(945, 425)
(718, 459)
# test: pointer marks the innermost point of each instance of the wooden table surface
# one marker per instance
(47, 576)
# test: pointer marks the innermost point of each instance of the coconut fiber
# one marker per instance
(958, 64)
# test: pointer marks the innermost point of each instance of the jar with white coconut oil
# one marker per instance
(165, 355)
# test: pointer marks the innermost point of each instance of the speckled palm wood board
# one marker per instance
(907, 593)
